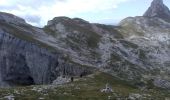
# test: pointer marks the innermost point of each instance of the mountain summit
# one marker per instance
(158, 9)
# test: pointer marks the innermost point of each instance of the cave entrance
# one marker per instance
(20, 80)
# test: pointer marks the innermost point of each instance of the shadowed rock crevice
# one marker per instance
(18, 72)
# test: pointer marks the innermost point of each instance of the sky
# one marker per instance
(38, 12)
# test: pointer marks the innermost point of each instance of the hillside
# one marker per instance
(86, 88)
(40, 63)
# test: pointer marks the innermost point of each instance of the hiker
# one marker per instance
(72, 79)
(81, 75)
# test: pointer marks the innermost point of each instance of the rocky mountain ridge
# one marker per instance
(137, 50)
(158, 9)
(25, 60)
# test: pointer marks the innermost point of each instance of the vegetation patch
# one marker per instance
(111, 29)
(84, 35)
(128, 44)
(50, 31)
(86, 88)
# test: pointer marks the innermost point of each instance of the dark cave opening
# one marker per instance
(20, 80)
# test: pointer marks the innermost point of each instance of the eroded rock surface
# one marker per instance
(158, 9)
(25, 56)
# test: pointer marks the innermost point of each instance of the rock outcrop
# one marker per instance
(158, 9)
(11, 18)
(138, 49)
(24, 63)
(26, 58)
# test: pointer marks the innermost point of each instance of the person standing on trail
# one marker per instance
(72, 79)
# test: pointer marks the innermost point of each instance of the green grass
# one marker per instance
(92, 39)
(128, 44)
(87, 88)
(130, 29)
(85, 38)
(50, 31)
(112, 29)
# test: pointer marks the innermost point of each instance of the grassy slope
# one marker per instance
(87, 88)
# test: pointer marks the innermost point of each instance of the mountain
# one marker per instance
(158, 9)
(133, 56)
(27, 57)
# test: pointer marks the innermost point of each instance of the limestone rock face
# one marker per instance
(24, 63)
(27, 57)
(158, 9)
(136, 50)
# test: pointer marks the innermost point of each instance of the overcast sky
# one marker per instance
(38, 12)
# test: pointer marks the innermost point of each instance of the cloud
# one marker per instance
(44, 10)
(33, 19)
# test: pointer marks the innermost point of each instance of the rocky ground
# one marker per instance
(86, 88)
